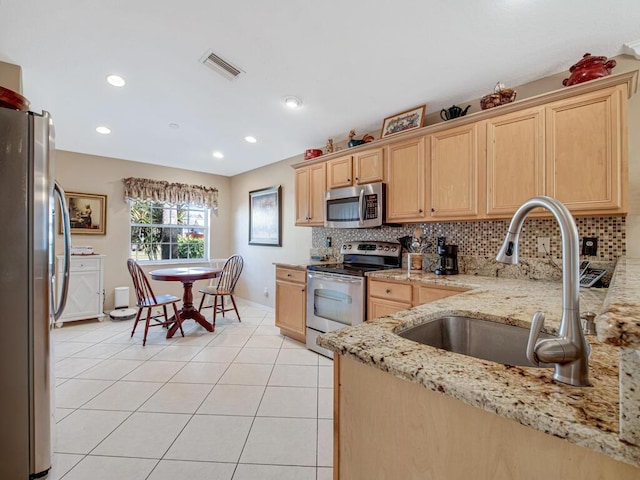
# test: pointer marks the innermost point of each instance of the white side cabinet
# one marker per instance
(86, 288)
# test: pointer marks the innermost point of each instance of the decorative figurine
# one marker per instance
(330, 145)
(354, 143)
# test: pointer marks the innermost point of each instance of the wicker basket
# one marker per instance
(501, 97)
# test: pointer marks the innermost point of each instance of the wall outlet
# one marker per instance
(590, 246)
(266, 292)
(544, 245)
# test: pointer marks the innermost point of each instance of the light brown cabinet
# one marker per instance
(453, 173)
(310, 187)
(291, 302)
(406, 182)
(515, 160)
(573, 150)
(368, 166)
(586, 154)
(385, 297)
(340, 172)
(570, 144)
(363, 167)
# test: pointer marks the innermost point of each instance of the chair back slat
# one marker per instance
(230, 274)
(144, 292)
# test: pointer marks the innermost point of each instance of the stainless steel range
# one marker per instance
(337, 293)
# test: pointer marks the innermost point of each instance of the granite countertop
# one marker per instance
(585, 416)
(619, 323)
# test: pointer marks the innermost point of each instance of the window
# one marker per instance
(168, 233)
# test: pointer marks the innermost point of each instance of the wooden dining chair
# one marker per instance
(225, 286)
(146, 299)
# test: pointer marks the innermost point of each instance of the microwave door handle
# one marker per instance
(361, 206)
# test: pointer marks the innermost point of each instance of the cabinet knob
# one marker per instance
(420, 211)
(357, 179)
(348, 179)
(433, 209)
(288, 274)
(388, 290)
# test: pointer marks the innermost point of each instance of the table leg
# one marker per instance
(189, 312)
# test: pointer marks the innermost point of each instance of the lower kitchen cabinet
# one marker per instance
(86, 288)
(291, 302)
(420, 433)
(385, 297)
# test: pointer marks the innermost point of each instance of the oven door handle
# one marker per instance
(361, 206)
(335, 277)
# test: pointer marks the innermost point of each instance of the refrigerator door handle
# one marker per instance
(66, 230)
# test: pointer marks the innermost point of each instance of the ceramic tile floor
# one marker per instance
(241, 403)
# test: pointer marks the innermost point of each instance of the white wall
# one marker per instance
(259, 271)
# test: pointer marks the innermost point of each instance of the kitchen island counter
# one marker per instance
(584, 416)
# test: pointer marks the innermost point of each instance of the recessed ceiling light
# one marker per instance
(103, 130)
(218, 154)
(174, 125)
(250, 139)
(115, 80)
(293, 102)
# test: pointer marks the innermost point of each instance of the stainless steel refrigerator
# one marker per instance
(28, 306)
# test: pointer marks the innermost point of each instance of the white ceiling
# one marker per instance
(352, 62)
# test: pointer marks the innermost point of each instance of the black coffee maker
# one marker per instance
(448, 260)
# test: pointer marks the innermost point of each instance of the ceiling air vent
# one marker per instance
(220, 65)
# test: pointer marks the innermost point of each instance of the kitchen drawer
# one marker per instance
(81, 263)
(431, 294)
(291, 275)
(398, 292)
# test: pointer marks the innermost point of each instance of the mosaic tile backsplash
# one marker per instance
(478, 243)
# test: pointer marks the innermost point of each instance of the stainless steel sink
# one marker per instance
(493, 341)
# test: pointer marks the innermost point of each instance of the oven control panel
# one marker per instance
(380, 249)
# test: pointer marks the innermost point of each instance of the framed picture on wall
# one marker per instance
(87, 213)
(265, 211)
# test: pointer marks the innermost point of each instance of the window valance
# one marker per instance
(176, 193)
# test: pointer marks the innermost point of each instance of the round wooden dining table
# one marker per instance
(187, 276)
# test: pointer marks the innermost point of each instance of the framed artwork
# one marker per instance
(403, 121)
(87, 213)
(265, 213)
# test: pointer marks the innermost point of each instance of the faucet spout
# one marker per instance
(570, 351)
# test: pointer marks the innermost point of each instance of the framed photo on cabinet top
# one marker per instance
(403, 121)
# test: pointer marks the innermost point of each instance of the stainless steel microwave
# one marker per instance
(360, 206)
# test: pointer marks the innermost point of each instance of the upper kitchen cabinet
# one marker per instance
(340, 172)
(357, 169)
(368, 166)
(406, 182)
(586, 151)
(515, 160)
(310, 188)
(453, 173)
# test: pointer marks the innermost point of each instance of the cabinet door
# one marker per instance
(310, 187)
(378, 307)
(406, 169)
(453, 181)
(302, 196)
(290, 309)
(84, 297)
(585, 151)
(515, 160)
(339, 172)
(368, 167)
(317, 187)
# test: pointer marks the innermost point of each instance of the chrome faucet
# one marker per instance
(569, 351)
